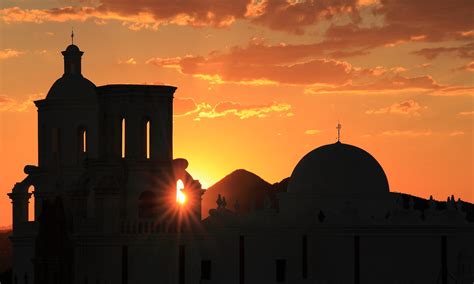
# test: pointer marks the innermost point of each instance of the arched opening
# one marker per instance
(31, 205)
(147, 138)
(123, 138)
(147, 205)
(180, 196)
(82, 144)
(84, 141)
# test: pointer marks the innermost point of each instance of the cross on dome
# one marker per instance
(339, 127)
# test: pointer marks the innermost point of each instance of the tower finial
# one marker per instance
(72, 35)
(339, 126)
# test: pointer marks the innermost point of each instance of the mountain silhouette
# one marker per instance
(250, 190)
(243, 186)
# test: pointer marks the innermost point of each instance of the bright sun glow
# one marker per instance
(180, 196)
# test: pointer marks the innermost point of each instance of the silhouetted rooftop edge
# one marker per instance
(135, 88)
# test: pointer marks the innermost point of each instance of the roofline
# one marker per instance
(131, 89)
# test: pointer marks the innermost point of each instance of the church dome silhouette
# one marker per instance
(71, 86)
(338, 170)
(72, 48)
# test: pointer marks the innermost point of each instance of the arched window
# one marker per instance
(123, 138)
(145, 145)
(147, 205)
(82, 140)
(147, 138)
(180, 196)
(31, 205)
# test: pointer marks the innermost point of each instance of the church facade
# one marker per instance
(112, 205)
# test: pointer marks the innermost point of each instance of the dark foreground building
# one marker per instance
(111, 205)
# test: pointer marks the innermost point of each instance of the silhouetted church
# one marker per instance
(107, 201)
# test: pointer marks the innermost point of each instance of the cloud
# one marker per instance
(408, 108)
(409, 133)
(402, 21)
(466, 113)
(130, 61)
(463, 51)
(424, 65)
(137, 14)
(468, 67)
(260, 63)
(12, 105)
(454, 91)
(236, 67)
(387, 84)
(17, 14)
(6, 103)
(435, 19)
(9, 53)
(291, 16)
(294, 16)
(312, 132)
(243, 112)
(171, 62)
(456, 133)
(353, 23)
(188, 107)
(350, 27)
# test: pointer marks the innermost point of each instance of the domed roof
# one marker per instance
(72, 48)
(338, 170)
(71, 86)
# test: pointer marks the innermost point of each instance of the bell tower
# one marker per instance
(72, 58)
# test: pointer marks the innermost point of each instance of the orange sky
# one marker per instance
(262, 82)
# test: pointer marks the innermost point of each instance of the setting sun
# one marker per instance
(180, 196)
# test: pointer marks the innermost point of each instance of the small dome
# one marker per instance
(71, 86)
(338, 170)
(72, 48)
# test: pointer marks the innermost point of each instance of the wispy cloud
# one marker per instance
(246, 66)
(10, 53)
(468, 67)
(456, 133)
(466, 113)
(410, 133)
(13, 105)
(260, 63)
(312, 132)
(130, 61)
(408, 108)
(188, 107)
(462, 51)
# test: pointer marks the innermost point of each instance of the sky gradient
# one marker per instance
(262, 82)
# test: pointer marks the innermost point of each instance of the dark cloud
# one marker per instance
(463, 51)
